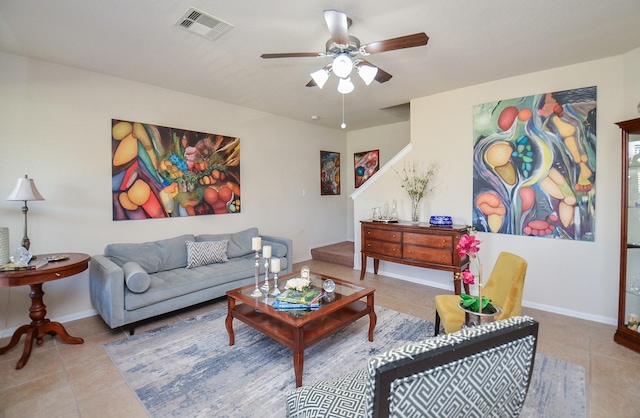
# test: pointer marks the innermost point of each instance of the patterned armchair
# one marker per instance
(475, 372)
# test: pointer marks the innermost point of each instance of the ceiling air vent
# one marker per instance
(203, 24)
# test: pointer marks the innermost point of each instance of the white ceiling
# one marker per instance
(471, 41)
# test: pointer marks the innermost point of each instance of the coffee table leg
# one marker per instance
(373, 318)
(298, 356)
(231, 305)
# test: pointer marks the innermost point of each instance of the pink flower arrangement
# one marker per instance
(470, 245)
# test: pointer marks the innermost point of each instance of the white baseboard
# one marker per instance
(547, 308)
(62, 319)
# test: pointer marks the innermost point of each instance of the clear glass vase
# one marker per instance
(415, 209)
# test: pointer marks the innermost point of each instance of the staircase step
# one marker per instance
(340, 253)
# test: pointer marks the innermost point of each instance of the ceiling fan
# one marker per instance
(346, 52)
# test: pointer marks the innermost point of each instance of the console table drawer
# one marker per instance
(426, 254)
(382, 247)
(380, 234)
(435, 241)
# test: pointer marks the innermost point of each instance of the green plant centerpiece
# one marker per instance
(417, 182)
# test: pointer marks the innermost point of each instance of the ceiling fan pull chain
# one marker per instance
(343, 125)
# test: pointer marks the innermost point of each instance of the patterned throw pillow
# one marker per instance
(206, 252)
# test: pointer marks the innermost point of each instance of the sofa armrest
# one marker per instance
(106, 287)
(289, 244)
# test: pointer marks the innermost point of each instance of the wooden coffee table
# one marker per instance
(301, 329)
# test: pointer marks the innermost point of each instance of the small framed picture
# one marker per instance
(365, 165)
(329, 173)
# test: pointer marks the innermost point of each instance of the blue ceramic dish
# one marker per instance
(441, 220)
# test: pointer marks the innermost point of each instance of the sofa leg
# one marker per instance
(131, 331)
(437, 324)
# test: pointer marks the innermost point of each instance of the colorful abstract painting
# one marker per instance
(160, 172)
(365, 165)
(329, 173)
(535, 165)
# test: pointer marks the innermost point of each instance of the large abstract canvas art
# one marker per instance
(534, 167)
(160, 172)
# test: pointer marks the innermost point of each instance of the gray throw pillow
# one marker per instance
(136, 279)
(206, 252)
(240, 242)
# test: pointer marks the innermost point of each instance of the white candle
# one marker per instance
(266, 251)
(275, 265)
(256, 243)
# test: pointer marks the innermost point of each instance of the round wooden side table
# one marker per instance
(40, 325)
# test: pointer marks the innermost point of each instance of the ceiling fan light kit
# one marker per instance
(320, 77)
(367, 73)
(342, 65)
(345, 86)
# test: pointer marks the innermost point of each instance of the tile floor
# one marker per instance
(62, 380)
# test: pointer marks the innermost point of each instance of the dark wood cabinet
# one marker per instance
(627, 332)
(418, 245)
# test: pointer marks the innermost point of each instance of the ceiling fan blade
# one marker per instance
(409, 41)
(381, 76)
(338, 26)
(294, 55)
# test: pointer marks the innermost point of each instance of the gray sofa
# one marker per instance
(132, 282)
(482, 371)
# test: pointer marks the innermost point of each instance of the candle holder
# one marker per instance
(265, 286)
(275, 291)
(256, 292)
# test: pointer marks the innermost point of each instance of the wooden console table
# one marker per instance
(40, 325)
(418, 245)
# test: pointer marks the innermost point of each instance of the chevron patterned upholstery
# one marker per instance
(476, 372)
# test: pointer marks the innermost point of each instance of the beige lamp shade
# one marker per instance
(25, 190)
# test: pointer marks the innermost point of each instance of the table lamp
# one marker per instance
(25, 191)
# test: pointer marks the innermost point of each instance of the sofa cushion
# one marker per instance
(213, 237)
(173, 284)
(136, 279)
(206, 252)
(277, 249)
(240, 242)
(154, 256)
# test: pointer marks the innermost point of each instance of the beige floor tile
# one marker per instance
(33, 388)
(57, 403)
(614, 385)
(117, 402)
(42, 363)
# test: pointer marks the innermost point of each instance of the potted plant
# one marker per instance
(478, 309)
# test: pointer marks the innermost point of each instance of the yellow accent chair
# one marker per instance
(504, 288)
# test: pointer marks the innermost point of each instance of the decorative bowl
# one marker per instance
(441, 220)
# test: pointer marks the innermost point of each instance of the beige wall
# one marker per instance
(55, 126)
(569, 277)
(388, 139)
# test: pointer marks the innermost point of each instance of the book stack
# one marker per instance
(294, 300)
(35, 264)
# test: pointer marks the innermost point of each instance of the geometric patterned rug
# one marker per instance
(188, 369)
